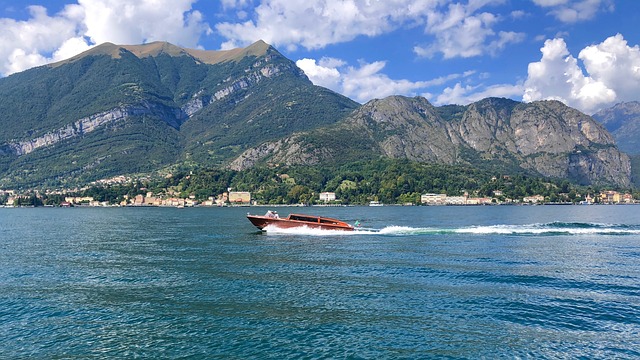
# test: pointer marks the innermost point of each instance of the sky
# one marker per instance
(584, 53)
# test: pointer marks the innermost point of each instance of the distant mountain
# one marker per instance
(623, 122)
(133, 109)
(545, 138)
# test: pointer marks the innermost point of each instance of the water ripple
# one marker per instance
(201, 283)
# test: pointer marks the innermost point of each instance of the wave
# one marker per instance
(304, 230)
(543, 229)
(550, 229)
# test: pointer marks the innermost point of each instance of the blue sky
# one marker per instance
(583, 52)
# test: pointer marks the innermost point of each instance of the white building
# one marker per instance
(327, 196)
(433, 199)
(456, 200)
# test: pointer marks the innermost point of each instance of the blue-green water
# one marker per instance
(415, 282)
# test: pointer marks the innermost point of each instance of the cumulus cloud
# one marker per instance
(314, 24)
(366, 81)
(613, 74)
(134, 22)
(456, 30)
(43, 38)
(616, 64)
(571, 11)
(324, 73)
(466, 94)
(25, 44)
(462, 31)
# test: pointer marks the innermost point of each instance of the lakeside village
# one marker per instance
(243, 198)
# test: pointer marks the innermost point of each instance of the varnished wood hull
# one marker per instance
(298, 220)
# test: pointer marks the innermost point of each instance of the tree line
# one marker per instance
(384, 180)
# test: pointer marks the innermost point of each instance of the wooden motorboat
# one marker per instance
(298, 220)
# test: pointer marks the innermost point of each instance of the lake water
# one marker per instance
(414, 282)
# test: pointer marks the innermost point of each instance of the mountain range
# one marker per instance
(623, 122)
(545, 138)
(138, 109)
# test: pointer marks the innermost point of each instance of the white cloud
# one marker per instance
(461, 32)
(367, 81)
(518, 14)
(70, 48)
(614, 63)
(128, 22)
(571, 11)
(25, 44)
(457, 30)
(613, 74)
(504, 38)
(466, 94)
(324, 74)
(314, 24)
(42, 38)
(548, 3)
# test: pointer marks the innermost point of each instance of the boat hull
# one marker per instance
(296, 221)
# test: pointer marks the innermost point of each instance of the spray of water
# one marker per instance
(554, 228)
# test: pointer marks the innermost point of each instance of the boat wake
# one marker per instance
(545, 229)
(304, 230)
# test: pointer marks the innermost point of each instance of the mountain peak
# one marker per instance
(258, 48)
(156, 48)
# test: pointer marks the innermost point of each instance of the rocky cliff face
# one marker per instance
(259, 71)
(89, 124)
(623, 122)
(407, 129)
(546, 137)
(177, 105)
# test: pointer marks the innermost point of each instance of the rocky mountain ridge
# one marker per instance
(543, 137)
(175, 105)
(117, 110)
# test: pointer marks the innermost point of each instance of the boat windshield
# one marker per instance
(303, 218)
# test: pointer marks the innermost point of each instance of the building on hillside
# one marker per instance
(479, 201)
(456, 200)
(138, 200)
(78, 199)
(614, 197)
(610, 197)
(327, 196)
(240, 197)
(433, 199)
(533, 199)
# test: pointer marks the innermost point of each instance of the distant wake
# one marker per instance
(546, 229)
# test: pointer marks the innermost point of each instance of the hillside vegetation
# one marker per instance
(151, 109)
(124, 110)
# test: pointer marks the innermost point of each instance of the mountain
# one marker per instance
(133, 109)
(545, 138)
(137, 109)
(623, 122)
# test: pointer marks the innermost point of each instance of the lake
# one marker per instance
(412, 282)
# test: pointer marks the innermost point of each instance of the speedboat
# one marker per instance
(298, 220)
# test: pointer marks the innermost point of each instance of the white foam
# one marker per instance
(305, 230)
(402, 230)
(527, 229)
